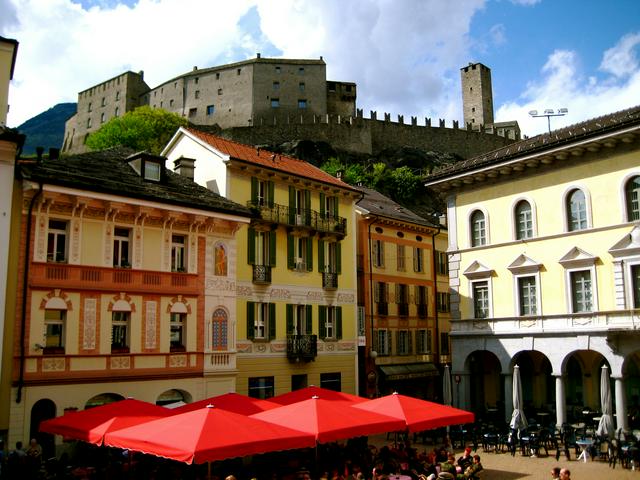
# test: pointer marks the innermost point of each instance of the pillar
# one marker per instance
(621, 405)
(508, 396)
(561, 402)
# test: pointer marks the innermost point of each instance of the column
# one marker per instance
(508, 396)
(621, 405)
(561, 402)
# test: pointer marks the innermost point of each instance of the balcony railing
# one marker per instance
(58, 275)
(403, 309)
(302, 347)
(261, 274)
(285, 215)
(329, 280)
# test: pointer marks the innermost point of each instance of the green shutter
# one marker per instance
(270, 188)
(374, 342)
(272, 321)
(309, 320)
(338, 323)
(254, 190)
(322, 212)
(321, 266)
(338, 257)
(290, 261)
(251, 246)
(272, 248)
(335, 207)
(250, 320)
(309, 258)
(307, 207)
(322, 321)
(289, 319)
(292, 205)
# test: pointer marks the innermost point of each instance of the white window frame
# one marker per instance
(628, 294)
(330, 322)
(472, 285)
(262, 239)
(623, 195)
(61, 321)
(402, 342)
(383, 342)
(300, 253)
(261, 321)
(587, 201)
(570, 291)
(179, 252)
(422, 340)
(534, 223)
(377, 246)
(400, 253)
(418, 260)
(516, 283)
(476, 273)
(577, 260)
(118, 242)
(470, 227)
(330, 257)
(178, 320)
(521, 267)
(57, 233)
(120, 322)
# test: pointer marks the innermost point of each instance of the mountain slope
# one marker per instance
(46, 129)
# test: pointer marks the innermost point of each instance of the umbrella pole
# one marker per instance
(209, 470)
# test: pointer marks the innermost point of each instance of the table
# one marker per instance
(584, 445)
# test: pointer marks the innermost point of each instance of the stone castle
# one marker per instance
(271, 101)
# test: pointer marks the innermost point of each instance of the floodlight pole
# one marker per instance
(549, 112)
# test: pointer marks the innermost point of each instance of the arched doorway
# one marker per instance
(487, 396)
(583, 369)
(43, 410)
(631, 376)
(173, 396)
(102, 399)
(538, 388)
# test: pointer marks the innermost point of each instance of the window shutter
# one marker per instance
(272, 321)
(289, 319)
(251, 246)
(398, 293)
(338, 257)
(321, 265)
(410, 340)
(374, 342)
(270, 188)
(307, 207)
(322, 211)
(250, 320)
(335, 207)
(376, 292)
(338, 323)
(322, 321)
(398, 346)
(374, 252)
(309, 320)
(254, 190)
(390, 342)
(272, 248)
(309, 258)
(290, 261)
(292, 205)
(415, 259)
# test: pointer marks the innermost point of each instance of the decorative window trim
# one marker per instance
(514, 221)
(622, 191)
(626, 254)
(577, 260)
(587, 201)
(489, 283)
(487, 236)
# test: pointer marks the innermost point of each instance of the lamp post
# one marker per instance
(549, 112)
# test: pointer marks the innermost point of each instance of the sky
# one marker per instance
(404, 55)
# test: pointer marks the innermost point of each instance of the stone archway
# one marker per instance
(538, 388)
(486, 393)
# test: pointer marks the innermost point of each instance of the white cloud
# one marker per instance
(621, 60)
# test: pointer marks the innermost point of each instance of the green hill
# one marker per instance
(46, 129)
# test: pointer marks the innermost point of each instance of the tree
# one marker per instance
(405, 185)
(144, 128)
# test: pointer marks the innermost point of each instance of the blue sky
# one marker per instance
(405, 55)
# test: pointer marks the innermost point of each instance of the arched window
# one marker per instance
(478, 229)
(632, 198)
(576, 211)
(524, 220)
(219, 329)
(220, 255)
(102, 399)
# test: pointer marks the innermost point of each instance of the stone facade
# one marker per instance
(477, 94)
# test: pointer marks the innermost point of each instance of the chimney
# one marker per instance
(184, 166)
(339, 174)
(442, 220)
(54, 153)
(258, 55)
(195, 68)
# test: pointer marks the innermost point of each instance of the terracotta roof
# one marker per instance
(267, 159)
(555, 139)
(381, 206)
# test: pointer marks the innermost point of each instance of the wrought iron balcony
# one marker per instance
(302, 347)
(304, 218)
(403, 309)
(261, 274)
(329, 280)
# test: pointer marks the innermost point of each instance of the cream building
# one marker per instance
(544, 246)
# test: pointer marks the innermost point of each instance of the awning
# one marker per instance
(408, 371)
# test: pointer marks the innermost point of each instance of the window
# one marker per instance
(527, 295)
(120, 331)
(219, 326)
(261, 321)
(220, 260)
(442, 263)
(275, 102)
(152, 171)
(278, 69)
(402, 299)
(89, 122)
(300, 253)
(178, 250)
(262, 192)
(301, 86)
(117, 112)
(171, 102)
(197, 94)
(331, 86)
(238, 71)
(177, 332)
(378, 253)
(444, 343)
(576, 210)
(102, 117)
(89, 107)
(635, 285)
(298, 381)
(421, 301)
(103, 102)
(118, 95)
(299, 319)
(193, 112)
(524, 220)
(331, 381)
(403, 342)
(57, 241)
(218, 76)
(302, 103)
(210, 110)
(300, 70)
(219, 91)
(262, 247)
(400, 258)
(329, 207)
(330, 322)
(423, 341)
(54, 323)
(276, 85)
(329, 257)
(196, 80)
(632, 192)
(480, 295)
(381, 298)
(443, 302)
(261, 387)
(581, 291)
(418, 260)
(478, 229)
(382, 342)
(121, 247)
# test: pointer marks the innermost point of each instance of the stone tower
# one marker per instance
(477, 95)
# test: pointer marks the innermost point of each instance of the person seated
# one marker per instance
(449, 466)
(465, 460)
(471, 472)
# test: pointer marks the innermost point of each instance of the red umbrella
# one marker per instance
(329, 420)
(232, 402)
(417, 414)
(91, 425)
(206, 435)
(313, 391)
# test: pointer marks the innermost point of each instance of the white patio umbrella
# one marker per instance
(447, 396)
(518, 420)
(605, 426)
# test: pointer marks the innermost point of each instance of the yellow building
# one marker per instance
(296, 266)
(401, 276)
(544, 242)
(126, 287)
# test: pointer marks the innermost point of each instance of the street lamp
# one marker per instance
(549, 112)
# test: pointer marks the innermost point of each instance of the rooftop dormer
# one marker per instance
(148, 166)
